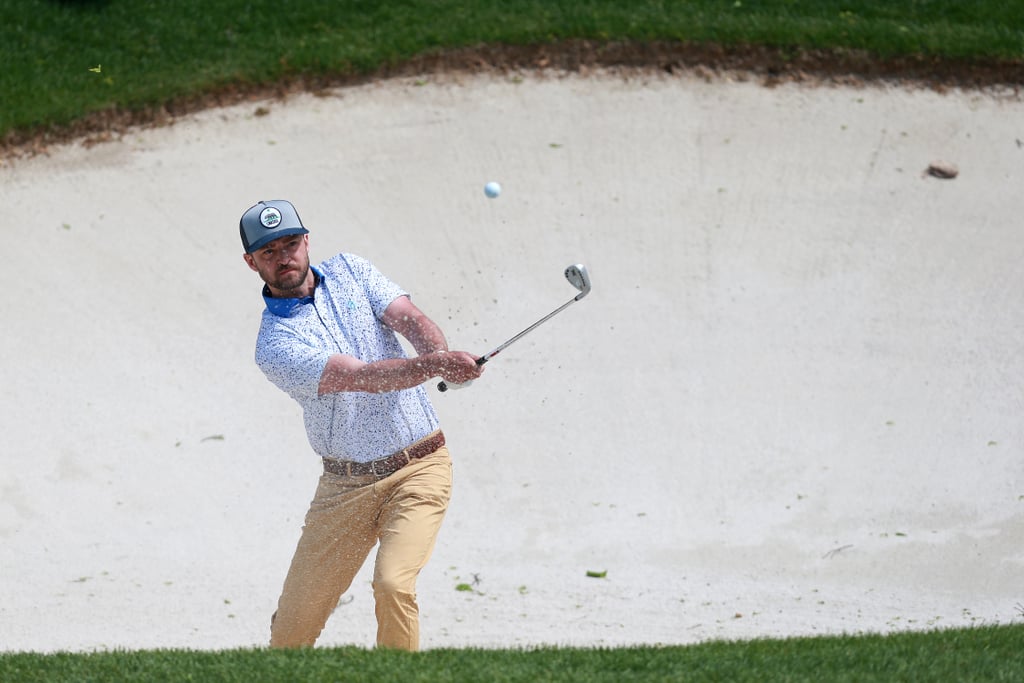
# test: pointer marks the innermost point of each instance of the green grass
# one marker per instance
(991, 653)
(154, 52)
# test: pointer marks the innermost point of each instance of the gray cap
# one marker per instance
(267, 221)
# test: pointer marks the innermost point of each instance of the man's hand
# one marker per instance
(459, 367)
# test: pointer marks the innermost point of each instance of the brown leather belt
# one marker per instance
(388, 465)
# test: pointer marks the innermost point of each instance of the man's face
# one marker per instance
(283, 264)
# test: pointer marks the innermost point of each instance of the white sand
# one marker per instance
(791, 405)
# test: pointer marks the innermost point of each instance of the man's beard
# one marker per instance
(289, 280)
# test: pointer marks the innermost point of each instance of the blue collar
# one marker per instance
(286, 308)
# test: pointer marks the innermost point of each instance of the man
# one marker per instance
(327, 338)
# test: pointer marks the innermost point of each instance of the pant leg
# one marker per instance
(338, 534)
(415, 501)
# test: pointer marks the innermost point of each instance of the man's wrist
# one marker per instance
(434, 361)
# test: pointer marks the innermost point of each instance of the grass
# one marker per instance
(65, 59)
(990, 653)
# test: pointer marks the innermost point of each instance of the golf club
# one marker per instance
(577, 277)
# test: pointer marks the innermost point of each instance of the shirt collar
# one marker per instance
(286, 308)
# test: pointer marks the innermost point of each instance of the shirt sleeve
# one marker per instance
(293, 364)
(380, 291)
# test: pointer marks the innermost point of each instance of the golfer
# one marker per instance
(327, 338)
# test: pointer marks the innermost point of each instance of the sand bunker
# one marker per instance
(791, 405)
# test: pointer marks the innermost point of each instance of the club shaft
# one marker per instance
(443, 386)
(486, 357)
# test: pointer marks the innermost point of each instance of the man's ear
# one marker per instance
(250, 261)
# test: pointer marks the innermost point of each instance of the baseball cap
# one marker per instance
(267, 221)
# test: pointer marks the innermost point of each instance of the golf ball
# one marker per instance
(492, 189)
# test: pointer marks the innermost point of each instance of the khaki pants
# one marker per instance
(347, 517)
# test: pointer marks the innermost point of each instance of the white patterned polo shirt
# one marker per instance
(296, 338)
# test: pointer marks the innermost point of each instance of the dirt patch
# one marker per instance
(769, 65)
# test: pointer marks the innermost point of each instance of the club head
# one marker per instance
(578, 278)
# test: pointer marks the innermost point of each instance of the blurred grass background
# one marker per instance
(63, 60)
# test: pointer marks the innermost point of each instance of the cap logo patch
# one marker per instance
(270, 218)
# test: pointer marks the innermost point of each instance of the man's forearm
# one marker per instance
(425, 336)
(395, 374)
(410, 322)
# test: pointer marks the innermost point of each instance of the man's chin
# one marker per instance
(289, 281)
